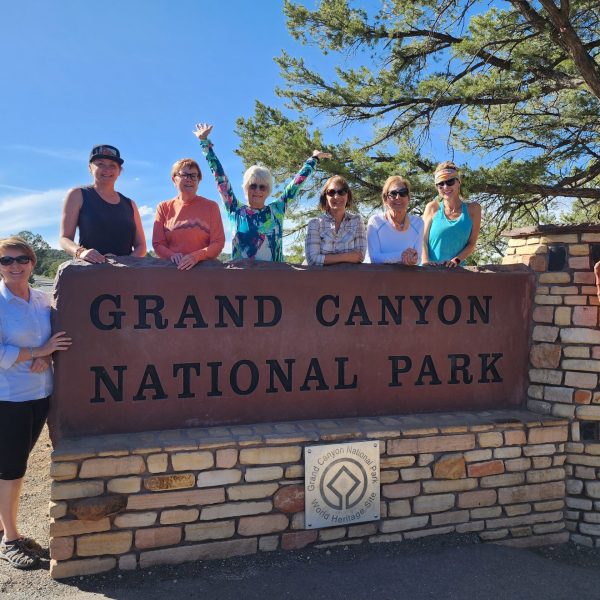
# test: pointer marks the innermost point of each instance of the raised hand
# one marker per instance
(318, 154)
(202, 130)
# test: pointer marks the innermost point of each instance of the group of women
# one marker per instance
(187, 230)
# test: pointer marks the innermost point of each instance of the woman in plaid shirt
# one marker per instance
(337, 236)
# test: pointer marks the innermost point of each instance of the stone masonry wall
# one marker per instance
(565, 356)
(129, 501)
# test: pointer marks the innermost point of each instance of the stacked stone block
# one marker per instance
(565, 355)
(138, 500)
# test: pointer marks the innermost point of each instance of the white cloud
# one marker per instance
(16, 188)
(62, 153)
(31, 211)
(69, 154)
(146, 211)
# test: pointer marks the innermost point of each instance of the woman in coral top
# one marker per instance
(187, 229)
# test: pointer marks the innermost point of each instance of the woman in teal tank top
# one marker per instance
(451, 225)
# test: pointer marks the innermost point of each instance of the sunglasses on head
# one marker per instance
(6, 261)
(448, 182)
(340, 192)
(403, 193)
(258, 186)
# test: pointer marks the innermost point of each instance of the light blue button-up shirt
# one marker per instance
(23, 325)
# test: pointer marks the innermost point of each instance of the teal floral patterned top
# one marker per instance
(258, 232)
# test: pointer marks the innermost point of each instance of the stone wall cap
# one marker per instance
(551, 230)
(323, 430)
(154, 264)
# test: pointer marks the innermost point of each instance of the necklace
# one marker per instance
(397, 225)
(451, 211)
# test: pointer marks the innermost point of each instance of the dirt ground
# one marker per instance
(445, 567)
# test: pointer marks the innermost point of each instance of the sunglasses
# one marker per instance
(448, 183)
(6, 261)
(341, 192)
(403, 193)
(261, 187)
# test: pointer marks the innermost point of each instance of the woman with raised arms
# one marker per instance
(108, 222)
(187, 229)
(258, 227)
(451, 224)
(338, 235)
(394, 236)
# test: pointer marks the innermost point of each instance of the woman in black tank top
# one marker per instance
(108, 222)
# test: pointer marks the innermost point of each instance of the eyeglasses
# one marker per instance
(6, 261)
(261, 187)
(403, 193)
(448, 182)
(190, 176)
(340, 192)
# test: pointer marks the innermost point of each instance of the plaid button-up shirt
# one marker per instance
(322, 238)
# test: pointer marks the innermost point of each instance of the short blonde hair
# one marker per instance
(390, 181)
(257, 174)
(16, 243)
(185, 162)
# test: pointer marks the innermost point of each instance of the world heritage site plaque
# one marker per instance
(341, 484)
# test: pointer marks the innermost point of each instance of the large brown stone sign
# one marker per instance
(156, 348)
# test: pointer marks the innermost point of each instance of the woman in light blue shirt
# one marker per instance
(395, 236)
(26, 348)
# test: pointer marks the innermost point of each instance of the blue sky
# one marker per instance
(135, 74)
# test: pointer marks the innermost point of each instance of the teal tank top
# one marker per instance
(447, 238)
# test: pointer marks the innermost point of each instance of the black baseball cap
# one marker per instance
(106, 151)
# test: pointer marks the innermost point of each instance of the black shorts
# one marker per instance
(20, 426)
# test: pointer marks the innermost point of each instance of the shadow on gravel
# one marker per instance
(451, 567)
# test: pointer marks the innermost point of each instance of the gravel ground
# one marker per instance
(446, 567)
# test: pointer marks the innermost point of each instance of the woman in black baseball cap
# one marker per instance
(108, 222)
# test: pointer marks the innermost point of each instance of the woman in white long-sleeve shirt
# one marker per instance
(395, 236)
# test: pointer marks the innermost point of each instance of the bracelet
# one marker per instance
(30, 352)
(80, 250)
(456, 260)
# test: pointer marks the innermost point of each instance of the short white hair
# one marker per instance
(257, 174)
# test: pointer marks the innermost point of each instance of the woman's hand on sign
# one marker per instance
(453, 263)
(410, 257)
(187, 262)
(92, 255)
(176, 258)
(58, 342)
